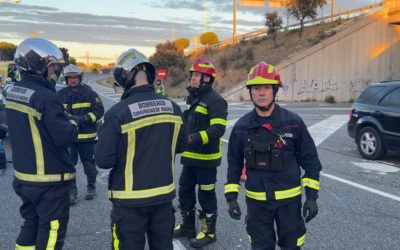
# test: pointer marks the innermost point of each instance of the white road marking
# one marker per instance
(354, 184)
(375, 166)
(178, 245)
(322, 130)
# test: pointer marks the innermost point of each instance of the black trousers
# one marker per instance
(45, 210)
(261, 216)
(131, 225)
(86, 154)
(205, 178)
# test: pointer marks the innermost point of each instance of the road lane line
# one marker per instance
(354, 184)
(322, 130)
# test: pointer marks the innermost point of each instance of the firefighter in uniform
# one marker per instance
(160, 89)
(138, 142)
(205, 121)
(275, 143)
(85, 105)
(40, 134)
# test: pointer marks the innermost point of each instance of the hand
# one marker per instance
(71, 118)
(310, 209)
(234, 210)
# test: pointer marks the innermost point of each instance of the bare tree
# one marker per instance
(301, 9)
(274, 23)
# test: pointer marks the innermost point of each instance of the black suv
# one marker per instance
(375, 120)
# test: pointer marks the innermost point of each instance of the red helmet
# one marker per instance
(263, 73)
(203, 66)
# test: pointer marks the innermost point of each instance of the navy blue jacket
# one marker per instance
(299, 151)
(83, 102)
(138, 142)
(40, 133)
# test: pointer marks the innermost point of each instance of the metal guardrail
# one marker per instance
(263, 32)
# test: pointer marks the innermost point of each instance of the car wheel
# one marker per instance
(369, 143)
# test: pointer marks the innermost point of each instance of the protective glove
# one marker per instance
(234, 210)
(194, 139)
(72, 119)
(82, 119)
(310, 209)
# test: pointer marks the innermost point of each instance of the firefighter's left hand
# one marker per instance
(234, 210)
(310, 209)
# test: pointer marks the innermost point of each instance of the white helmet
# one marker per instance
(72, 70)
(34, 55)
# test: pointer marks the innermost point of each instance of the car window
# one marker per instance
(392, 99)
(370, 95)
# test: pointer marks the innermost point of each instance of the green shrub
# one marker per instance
(330, 99)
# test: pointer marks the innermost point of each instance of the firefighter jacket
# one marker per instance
(280, 145)
(40, 133)
(138, 142)
(205, 120)
(83, 102)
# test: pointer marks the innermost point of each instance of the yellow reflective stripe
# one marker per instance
(140, 194)
(130, 154)
(177, 128)
(208, 187)
(150, 121)
(20, 247)
(260, 196)
(232, 188)
(65, 106)
(53, 234)
(285, 194)
(201, 109)
(206, 157)
(44, 178)
(204, 137)
(37, 145)
(197, 156)
(187, 106)
(87, 136)
(260, 80)
(300, 241)
(115, 237)
(203, 65)
(311, 183)
(219, 121)
(81, 105)
(92, 116)
(24, 109)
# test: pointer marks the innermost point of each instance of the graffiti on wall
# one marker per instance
(358, 85)
(315, 86)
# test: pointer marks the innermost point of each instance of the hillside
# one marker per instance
(233, 61)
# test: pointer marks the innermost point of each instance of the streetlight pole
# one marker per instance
(234, 22)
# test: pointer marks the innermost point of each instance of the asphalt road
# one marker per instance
(358, 206)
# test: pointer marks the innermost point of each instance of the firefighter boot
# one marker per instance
(207, 233)
(187, 228)
(91, 192)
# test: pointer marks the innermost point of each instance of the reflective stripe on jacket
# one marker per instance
(205, 119)
(84, 101)
(40, 133)
(138, 141)
(299, 151)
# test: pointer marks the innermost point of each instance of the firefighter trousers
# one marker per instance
(45, 210)
(290, 225)
(131, 225)
(86, 154)
(205, 178)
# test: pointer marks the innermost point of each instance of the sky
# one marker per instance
(103, 29)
